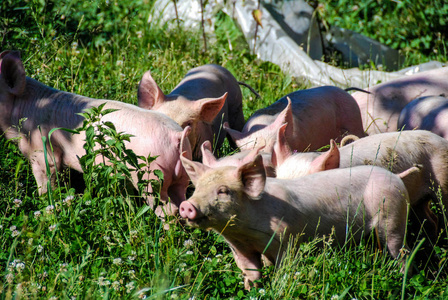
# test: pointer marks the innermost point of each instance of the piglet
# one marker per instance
(395, 151)
(33, 105)
(250, 209)
(205, 98)
(428, 113)
(381, 108)
(314, 116)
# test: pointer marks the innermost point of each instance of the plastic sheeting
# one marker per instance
(290, 37)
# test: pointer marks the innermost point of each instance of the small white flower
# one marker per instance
(88, 202)
(133, 234)
(37, 214)
(139, 34)
(49, 209)
(30, 241)
(9, 277)
(334, 297)
(119, 62)
(130, 286)
(40, 248)
(131, 257)
(15, 233)
(117, 261)
(20, 266)
(53, 298)
(52, 227)
(262, 292)
(207, 259)
(106, 238)
(188, 243)
(131, 273)
(189, 252)
(13, 227)
(17, 202)
(68, 200)
(63, 267)
(74, 45)
(116, 285)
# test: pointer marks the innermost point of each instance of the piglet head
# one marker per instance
(266, 135)
(221, 194)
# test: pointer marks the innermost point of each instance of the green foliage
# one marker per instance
(416, 28)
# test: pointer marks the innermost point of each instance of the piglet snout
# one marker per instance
(187, 210)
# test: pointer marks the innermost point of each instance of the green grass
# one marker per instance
(101, 243)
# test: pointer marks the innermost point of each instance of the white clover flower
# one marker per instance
(131, 257)
(9, 277)
(20, 266)
(131, 273)
(40, 248)
(63, 267)
(119, 63)
(188, 243)
(17, 202)
(130, 286)
(68, 200)
(15, 233)
(52, 227)
(334, 297)
(88, 202)
(117, 261)
(139, 34)
(174, 296)
(133, 234)
(49, 209)
(106, 238)
(74, 45)
(13, 227)
(116, 285)
(262, 292)
(189, 252)
(37, 214)
(207, 259)
(53, 298)
(30, 241)
(228, 266)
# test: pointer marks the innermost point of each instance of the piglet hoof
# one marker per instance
(187, 210)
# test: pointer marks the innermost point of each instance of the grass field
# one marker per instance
(100, 243)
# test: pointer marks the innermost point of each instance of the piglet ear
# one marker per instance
(210, 108)
(326, 161)
(194, 169)
(208, 158)
(13, 72)
(281, 149)
(149, 94)
(253, 177)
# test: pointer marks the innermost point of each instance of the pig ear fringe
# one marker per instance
(12, 70)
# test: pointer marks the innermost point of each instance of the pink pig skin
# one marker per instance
(205, 98)
(395, 151)
(22, 97)
(314, 117)
(427, 113)
(381, 108)
(249, 208)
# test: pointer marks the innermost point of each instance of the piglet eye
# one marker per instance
(223, 190)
